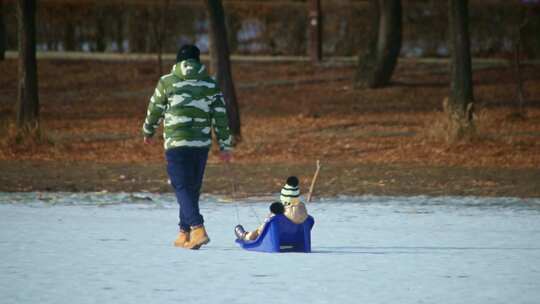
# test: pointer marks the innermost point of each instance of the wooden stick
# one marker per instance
(313, 181)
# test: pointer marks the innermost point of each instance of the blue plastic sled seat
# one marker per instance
(282, 235)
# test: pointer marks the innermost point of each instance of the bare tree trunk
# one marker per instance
(101, 42)
(219, 52)
(70, 42)
(460, 101)
(159, 27)
(50, 39)
(234, 24)
(315, 31)
(138, 18)
(517, 65)
(120, 31)
(28, 99)
(377, 65)
(2, 32)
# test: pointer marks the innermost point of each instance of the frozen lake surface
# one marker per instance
(117, 248)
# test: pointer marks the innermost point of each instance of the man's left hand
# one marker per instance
(225, 156)
(148, 140)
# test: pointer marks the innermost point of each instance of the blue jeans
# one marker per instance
(185, 166)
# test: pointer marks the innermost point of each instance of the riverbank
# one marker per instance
(265, 179)
(384, 142)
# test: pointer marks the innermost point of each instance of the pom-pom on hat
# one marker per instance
(188, 51)
(290, 191)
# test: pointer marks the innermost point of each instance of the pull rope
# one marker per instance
(228, 168)
(255, 213)
(232, 178)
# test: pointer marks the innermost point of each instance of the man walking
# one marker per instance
(191, 105)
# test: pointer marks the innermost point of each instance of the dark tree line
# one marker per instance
(375, 68)
(377, 65)
(28, 98)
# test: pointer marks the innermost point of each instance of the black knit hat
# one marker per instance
(277, 208)
(188, 51)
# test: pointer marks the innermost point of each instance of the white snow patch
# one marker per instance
(117, 248)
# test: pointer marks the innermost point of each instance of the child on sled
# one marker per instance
(289, 205)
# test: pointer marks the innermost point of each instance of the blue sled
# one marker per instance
(282, 235)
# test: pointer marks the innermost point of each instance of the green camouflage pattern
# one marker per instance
(190, 104)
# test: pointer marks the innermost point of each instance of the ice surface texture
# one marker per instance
(117, 248)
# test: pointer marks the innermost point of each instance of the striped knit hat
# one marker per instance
(290, 191)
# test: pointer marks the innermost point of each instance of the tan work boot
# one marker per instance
(197, 238)
(182, 239)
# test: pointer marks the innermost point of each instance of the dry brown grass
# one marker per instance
(93, 111)
(14, 141)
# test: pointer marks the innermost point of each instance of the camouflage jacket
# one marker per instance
(190, 104)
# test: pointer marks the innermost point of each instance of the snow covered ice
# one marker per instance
(117, 248)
